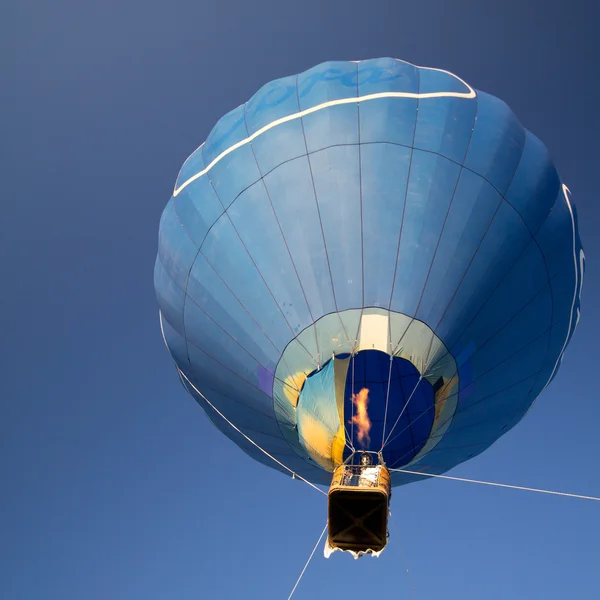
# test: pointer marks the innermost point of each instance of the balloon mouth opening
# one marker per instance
(391, 387)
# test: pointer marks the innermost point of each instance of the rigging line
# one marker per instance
(308, 561)
(424, 370)
(503, 485)
(387, 397)
(412, 585)
(402, 412)
(183, 376)
(352, 421)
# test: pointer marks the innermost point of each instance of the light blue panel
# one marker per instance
(207, 336)
(241, 416)
(444, 124)
(525, 281)
(473, 207)
(192, 166)
(237, 170)
(240, 275)
(170, 297)
(175, 248)
(387, 119)
(337, 184)
(292, 194)
(228, 131)
(198, 207)
(237, 270)
(274, 100)
(431, 185)
(333, 125)
(384, 179)
(535, 184)
(501, 247)
(253, 217)
(284, 141)
(245, 397)
(497, 142)
(212, 295)
(325, 82)
(176, 342)
(278, 145)
(233, 174)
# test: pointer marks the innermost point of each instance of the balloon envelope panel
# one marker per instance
(379, 211)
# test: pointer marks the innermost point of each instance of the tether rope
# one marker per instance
(503, 485)
(308, 561)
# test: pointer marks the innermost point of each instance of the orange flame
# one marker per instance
(361, 417)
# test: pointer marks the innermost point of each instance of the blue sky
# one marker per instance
(115, 485)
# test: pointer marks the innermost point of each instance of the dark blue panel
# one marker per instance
(535, 184)
(497, 142)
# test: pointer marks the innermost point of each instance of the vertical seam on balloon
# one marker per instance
(249, 256)
(239, 302)
(318, 360)
(410, 423)
(443, 225)
(515, 315)
(199, 251)
(319, 214)
(262, 178)
(360, 190)
(457, 393)
(412, 151)
(481, 240)
(458, 178)
(185, 295)
(512, 385)
(188, 341)
(251, 408)
(325, 105)
(182, 376)
(342, 146)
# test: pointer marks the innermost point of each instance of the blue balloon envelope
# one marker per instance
(372, 226)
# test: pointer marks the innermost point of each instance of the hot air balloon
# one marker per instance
(368, 257)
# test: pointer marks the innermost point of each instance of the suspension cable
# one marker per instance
(503, 485)
(352, 421)
(183, 376)
(308, 561)
(402, 411)
(387, 398)
(410, 581)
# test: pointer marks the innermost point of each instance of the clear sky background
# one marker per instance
(113, 483)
